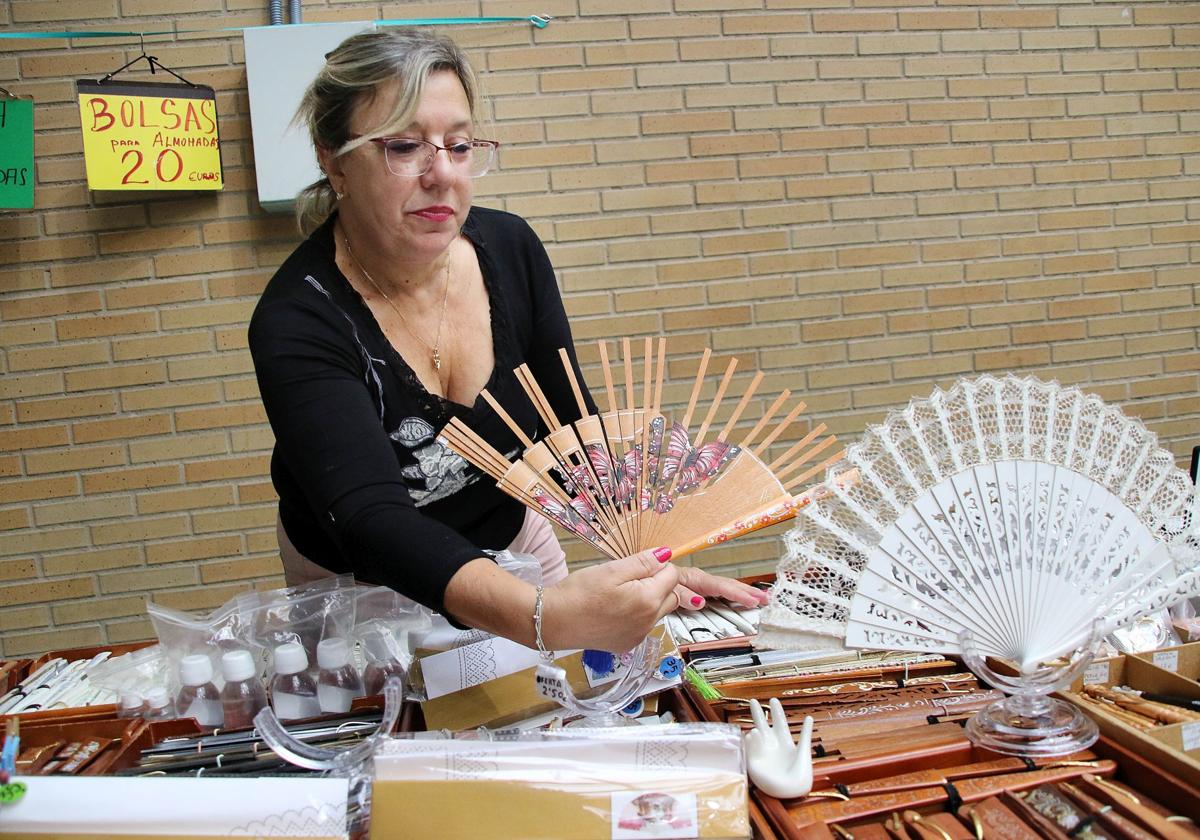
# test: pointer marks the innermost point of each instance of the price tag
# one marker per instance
(1191, 736)
(12, 793)
(1097, 672)
(1167, 660)
(552, 684)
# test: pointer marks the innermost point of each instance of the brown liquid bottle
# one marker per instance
(243, 695)
(199, 698)
(337, 683)
(381, 662)
(293, 691)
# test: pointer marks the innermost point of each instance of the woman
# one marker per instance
(401, 306)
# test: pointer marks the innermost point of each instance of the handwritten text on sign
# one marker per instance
(16, 153)
(149, 136)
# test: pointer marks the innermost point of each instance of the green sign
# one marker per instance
(16, 153)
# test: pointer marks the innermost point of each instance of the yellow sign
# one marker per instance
(149, 136)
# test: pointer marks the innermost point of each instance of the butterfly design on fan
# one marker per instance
(631, 478)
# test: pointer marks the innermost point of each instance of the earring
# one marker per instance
(338, 195)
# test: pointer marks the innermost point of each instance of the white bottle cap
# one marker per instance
(195, 669)
(238, 665)
(291, 658)
(131, 700)
(332, 654)
(157, 698)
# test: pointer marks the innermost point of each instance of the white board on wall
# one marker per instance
(281, 62)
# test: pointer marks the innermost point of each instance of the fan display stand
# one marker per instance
(1028, 722)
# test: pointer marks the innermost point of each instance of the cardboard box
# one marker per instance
(683, 780)
(1183, 660)
(514, 696)
(1174, 747)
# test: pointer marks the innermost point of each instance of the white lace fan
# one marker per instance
(1004, 518)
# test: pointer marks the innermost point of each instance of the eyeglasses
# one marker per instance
(410, 157)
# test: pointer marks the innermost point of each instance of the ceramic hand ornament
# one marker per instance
(779, 767)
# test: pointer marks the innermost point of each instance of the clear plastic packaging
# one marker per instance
(181, 634)
(682, 780)
(338, 683)
(386, 628)
(303, 614)
(159, 705)
(131, 676)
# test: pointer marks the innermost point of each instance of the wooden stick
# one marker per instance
(716, 403)
(508, 421)
(741, 406)
(796, 447)
(778, 430)
(766, 418)
(821, 467)
(575, 389)
(608, 380)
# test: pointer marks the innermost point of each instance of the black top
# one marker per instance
(363, 484)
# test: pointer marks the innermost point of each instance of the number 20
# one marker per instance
(138, 158)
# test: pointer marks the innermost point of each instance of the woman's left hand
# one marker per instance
(695, 585)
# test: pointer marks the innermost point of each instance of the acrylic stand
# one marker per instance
(355, 763)
(602, 709)
(1028, 722)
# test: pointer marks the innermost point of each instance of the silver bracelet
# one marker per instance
(548, 655)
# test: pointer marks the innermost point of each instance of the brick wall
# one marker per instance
(860, 198)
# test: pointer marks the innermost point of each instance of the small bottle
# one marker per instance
(243, 695)
(158, 705)
(337, 682)
(381, 663)
(199, 697)
(293, 691)
(132, 705)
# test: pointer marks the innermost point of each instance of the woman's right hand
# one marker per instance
(610, 606)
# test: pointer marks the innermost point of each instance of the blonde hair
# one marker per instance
(352, 75)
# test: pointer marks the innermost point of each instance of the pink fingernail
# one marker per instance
(662, 555)
(697, 601)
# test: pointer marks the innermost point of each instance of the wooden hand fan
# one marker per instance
(631, 478)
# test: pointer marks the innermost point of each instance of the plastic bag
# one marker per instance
(385, 629)
(307, 614)
(181, 634)
(132, 676)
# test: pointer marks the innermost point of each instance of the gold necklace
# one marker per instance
(432, 348)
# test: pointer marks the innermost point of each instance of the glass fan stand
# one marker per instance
(1028, 722)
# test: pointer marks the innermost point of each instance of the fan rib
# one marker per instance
(779, 430)
(765, 419)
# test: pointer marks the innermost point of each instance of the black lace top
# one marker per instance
(364, 486)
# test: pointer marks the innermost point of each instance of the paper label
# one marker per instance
(295, 706)
(644, 814)
(552, 683)
(16, 153)
(1167, 660)
(1191, 736)
(334, 699)
(149, 136)
(206, 712)
(1097, 672)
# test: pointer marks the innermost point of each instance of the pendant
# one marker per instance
(437, 360)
